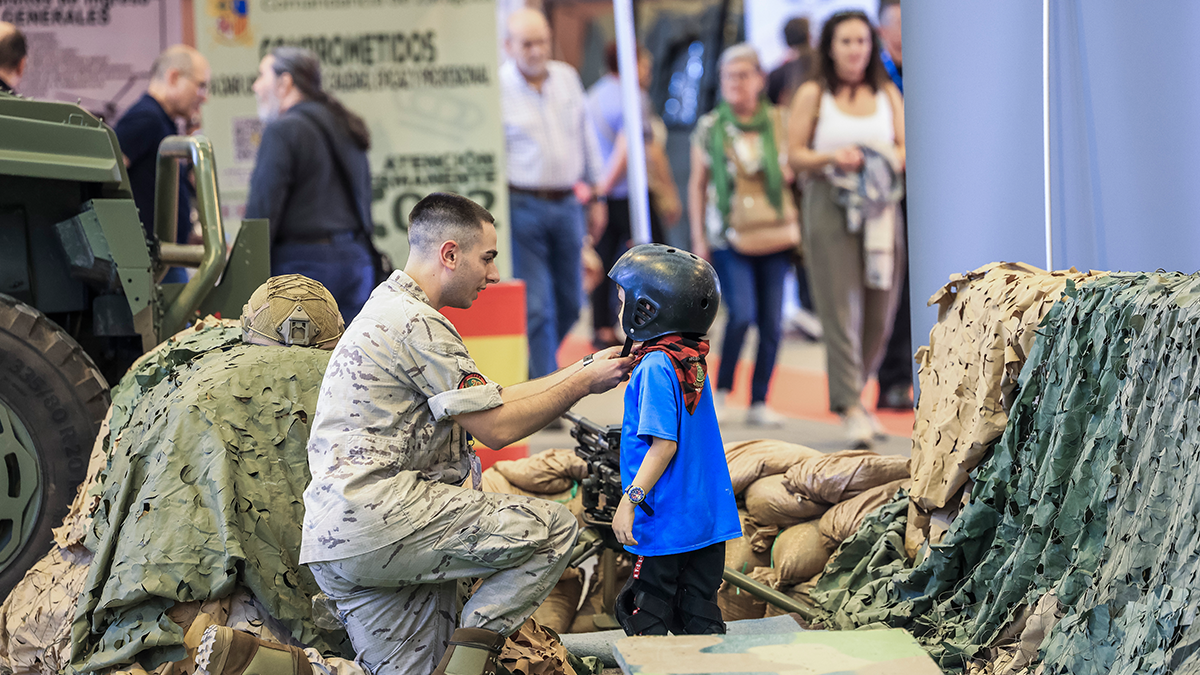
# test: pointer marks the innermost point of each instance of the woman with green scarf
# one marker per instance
(741, 143)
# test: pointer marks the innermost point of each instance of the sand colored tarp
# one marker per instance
(843, 475)
(751, 460)
(967, 373)
(1091, 494)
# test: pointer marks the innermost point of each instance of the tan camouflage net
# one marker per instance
(986, 327)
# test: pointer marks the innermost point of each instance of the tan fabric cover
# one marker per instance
(549, 472)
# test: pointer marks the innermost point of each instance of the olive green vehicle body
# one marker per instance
(79, 277)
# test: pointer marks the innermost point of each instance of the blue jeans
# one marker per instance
(752, 293)
(547, 238)
(343, 266)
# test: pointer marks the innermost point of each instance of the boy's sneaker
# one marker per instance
(858, 429)
(225, 651)
(759, 415)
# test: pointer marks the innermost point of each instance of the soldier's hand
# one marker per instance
(607, 370)
(622, 524)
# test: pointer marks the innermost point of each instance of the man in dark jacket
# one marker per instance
(178, 87)
(13, 57)
(312, 181)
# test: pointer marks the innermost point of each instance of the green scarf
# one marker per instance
(770, 159)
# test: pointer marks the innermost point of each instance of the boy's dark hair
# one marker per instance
(12, 49)
(445, 216)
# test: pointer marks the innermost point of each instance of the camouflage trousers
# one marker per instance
(399, 603)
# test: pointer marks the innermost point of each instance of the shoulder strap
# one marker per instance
(342, 173)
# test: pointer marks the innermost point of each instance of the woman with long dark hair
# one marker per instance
(312, 180)
(851, 112)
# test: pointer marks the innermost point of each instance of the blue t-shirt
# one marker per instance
(693, 501)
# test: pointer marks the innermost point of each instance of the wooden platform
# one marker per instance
(872, 652)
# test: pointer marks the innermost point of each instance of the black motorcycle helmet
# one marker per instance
(667, 290)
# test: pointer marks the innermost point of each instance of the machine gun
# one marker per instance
(601, 492)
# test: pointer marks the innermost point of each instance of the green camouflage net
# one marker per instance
(1092, 495)
(202, 494)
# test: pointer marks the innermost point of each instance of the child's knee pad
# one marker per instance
(699, 615)
(642, 613)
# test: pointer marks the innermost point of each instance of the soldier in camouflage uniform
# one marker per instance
(394, 516)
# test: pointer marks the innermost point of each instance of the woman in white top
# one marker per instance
(852, 104)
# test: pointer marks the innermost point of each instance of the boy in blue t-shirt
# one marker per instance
(678, 510)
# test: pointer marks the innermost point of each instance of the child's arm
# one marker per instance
(657, 458)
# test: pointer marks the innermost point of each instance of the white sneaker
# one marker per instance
(877, 429)
(759, 415)
(807, 324)
(858, 429)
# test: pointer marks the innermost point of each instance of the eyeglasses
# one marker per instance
(201, 85)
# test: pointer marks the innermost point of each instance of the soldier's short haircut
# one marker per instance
(12, 49)
(177, 57)
(445, 216)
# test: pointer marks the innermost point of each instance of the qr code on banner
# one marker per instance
(247, 134)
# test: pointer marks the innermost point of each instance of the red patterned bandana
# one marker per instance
(688, 358)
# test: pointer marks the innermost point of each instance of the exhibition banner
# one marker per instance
(80, 50)
(422, 73)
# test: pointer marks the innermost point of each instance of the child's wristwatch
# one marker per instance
(637, 497)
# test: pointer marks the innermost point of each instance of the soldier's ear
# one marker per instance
(448, 254)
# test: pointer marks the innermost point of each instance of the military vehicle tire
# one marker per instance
(52, 401)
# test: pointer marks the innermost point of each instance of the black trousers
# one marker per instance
(676, 593)
(896, 369)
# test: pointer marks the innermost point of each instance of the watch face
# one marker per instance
(635, 494)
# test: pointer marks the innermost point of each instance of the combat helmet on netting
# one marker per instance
(667, 290)
(292, 310)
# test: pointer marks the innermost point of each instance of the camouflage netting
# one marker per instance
(201, 494)
(1082, 525)
(968, 372)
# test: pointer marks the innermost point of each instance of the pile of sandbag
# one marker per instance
(797, 505)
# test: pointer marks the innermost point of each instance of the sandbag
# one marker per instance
(751, 460)
(834, 478)
(557, 611)
(739, 555)
(737, 604)
(549, 472)
(769, 502)
(799, 593)
(494, 481)
(800, 552)
(842, 520)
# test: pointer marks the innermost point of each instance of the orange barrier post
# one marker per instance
(494, 333)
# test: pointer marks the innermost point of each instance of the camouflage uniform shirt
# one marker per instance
(383, 430)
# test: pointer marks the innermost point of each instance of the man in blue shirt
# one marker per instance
(178, 87)
(672, 459)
